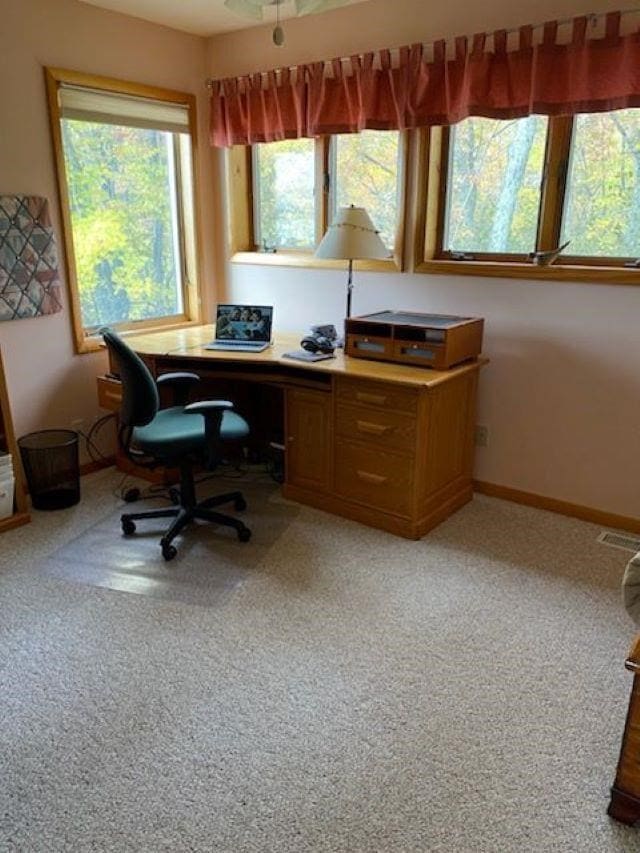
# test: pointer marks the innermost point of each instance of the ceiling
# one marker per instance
(201, 17)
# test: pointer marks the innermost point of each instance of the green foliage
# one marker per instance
(120, 191)
(495, 176)
(602, 209)
(364, 172)
(284, 191)
(366, 175)
(494, 185)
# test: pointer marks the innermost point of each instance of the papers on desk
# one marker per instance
(303, 355)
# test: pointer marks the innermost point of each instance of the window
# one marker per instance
(126, 180)
(366, 167)
(602, 202)
(499, 194)
(285, 194)
(495, 168)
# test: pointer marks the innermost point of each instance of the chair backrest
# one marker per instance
(140, 400)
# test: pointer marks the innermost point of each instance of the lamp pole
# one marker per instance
(349, 287)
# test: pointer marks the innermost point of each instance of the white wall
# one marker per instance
(561, 396)
(50, 386)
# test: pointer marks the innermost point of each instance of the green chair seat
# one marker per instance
(176, 437)
(174, 433)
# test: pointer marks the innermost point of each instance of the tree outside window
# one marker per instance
(121, 183)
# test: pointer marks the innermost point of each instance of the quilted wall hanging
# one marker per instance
(29, 278)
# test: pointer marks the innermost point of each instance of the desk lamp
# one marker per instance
(351, 236)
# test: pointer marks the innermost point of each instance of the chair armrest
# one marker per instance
(208, 407)
(213, 412)
(180, 383)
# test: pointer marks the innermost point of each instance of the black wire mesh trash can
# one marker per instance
(51, 466)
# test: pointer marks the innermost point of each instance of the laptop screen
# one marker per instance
(244, 323)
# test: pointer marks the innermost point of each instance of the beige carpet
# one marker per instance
(352, 691)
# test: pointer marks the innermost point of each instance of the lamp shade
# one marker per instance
(351, 236)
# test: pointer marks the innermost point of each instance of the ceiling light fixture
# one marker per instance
(278, 32)
(255, 9)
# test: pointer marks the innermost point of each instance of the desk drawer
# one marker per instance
(369, 346)
(382, 395)
(421, 353)
(375, 478)
(109, 393)
(386, 428)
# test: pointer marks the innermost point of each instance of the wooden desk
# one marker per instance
(625, 793)
(384, 444)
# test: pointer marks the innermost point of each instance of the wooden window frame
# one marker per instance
(188, 214)
(430, 257)
(242, 247)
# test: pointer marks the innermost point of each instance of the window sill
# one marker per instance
(555, 272)
(309, 261)
(95, 344)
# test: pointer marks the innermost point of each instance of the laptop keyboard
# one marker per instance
(248, 346)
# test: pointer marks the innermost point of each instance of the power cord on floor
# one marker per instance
(249, 473)
(93, 451)
(131, 494)
(169, 491)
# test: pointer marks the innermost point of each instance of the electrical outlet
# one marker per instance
(482, 435)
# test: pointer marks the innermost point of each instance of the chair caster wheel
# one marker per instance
(174, 496)
(128, 527)
(240, 504)
(169, 552)
(244, 534)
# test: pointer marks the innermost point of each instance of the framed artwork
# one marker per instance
(29, 277)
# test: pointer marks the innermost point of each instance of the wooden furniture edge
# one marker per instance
(15, 520)
(632, 662)
(189, 345)
(353, 511)
(309, 261)
(378, 518)
(624, 804)
(513, 270)
(440, 513)
(585, 513)
(624, 807)
(21, 514)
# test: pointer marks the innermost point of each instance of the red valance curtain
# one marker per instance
(370, 91)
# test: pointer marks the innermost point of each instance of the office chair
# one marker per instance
(176, 437)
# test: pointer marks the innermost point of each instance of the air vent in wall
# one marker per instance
(620, 540)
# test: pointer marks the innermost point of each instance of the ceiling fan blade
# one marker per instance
(306, 7)
(247, 8)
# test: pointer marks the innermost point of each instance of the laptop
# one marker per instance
(242, 328)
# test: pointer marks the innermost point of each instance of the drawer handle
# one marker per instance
(373, 429)
(365, 397)
(376, 479)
